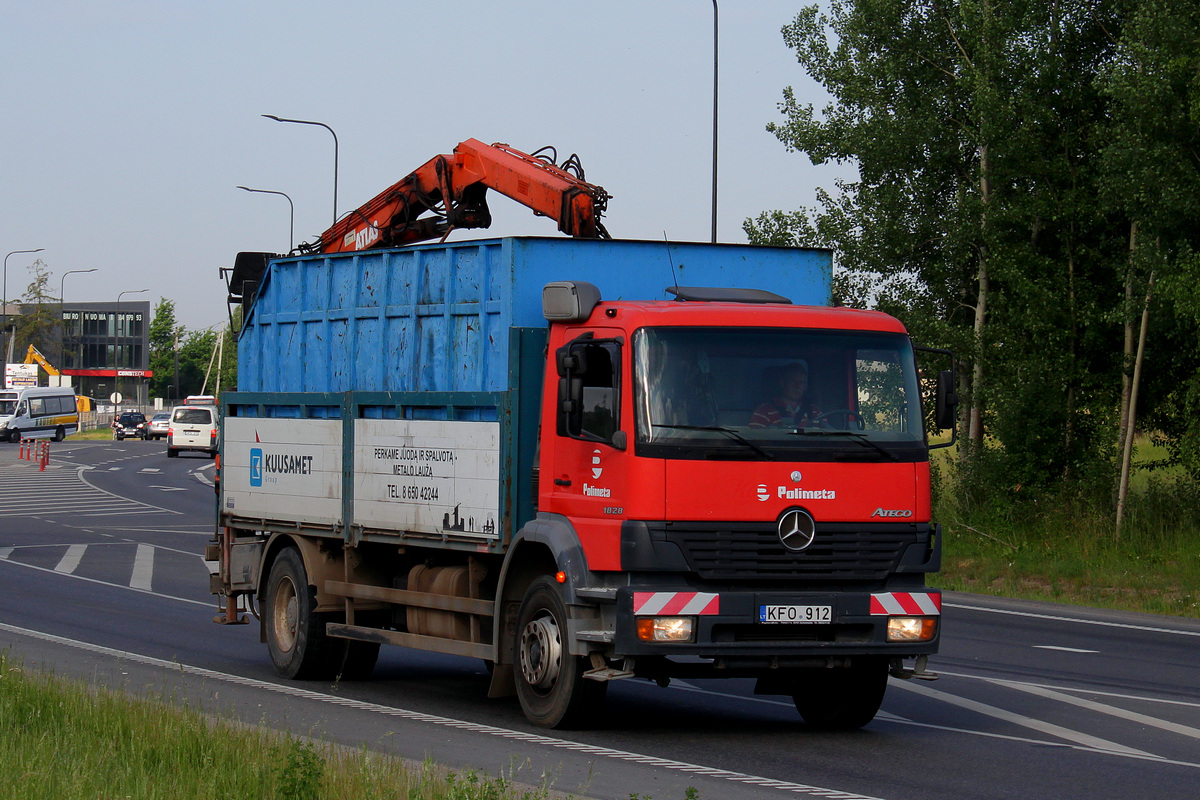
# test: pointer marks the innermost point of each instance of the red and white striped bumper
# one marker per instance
(908, 604)
(676, 603)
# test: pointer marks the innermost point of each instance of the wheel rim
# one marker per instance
(541, 652)
(284, 614)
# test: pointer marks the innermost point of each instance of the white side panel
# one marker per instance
(283, 469)
(430, 476)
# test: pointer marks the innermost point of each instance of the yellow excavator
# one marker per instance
(34, 356)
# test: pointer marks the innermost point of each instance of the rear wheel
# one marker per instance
(550, 683)
(844, 698)
(295, 632)
(60, 433)
(172, 452)
(296, 636)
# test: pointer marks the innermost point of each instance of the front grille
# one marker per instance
(752, 550)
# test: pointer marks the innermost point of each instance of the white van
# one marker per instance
(193, 427)
(38, 412)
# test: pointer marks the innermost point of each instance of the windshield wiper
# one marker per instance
(728, 431)
(861, 438)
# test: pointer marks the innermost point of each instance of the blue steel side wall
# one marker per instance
(436, 317)
(421, 319)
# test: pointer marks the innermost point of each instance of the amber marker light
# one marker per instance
(911, 629)
(666, 629)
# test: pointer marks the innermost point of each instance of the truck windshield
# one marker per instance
(8, 404)
(776, 394)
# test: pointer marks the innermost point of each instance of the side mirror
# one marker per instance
(571, 359)
(946, 405)
(570, 393)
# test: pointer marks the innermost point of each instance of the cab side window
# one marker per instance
(589, 389)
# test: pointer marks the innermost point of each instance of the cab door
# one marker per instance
(585, 468)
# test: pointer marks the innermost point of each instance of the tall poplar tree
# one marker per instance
(976, 127)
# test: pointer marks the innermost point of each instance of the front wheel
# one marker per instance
(550, 682)
(843, 698)
(60, 433)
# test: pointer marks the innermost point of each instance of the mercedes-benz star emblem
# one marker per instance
(796, 529)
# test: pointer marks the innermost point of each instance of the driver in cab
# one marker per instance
(790, 405)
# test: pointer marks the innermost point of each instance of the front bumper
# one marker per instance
(728, 629)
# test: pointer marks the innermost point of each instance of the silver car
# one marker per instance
(160, 423)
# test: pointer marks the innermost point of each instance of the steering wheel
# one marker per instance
(846, 413)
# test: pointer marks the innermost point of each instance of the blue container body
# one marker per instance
(437, 318)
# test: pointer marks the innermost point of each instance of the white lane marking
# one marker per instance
(449, 722)
(5, 552)
(1094, 742)
(1063, 649)
(1078, 620)
(884, 716)
(70, 560)
(91, 485)
(115, 585)
(1114, 711)
(1079, 690)
(143, 568)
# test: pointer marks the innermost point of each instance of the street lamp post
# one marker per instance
(335, 153)
(714, 177)
(116, 346)
(62, 311)
(4, 293)
(292, 229)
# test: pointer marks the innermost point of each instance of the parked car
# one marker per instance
(160, 424)
(131, 424)
(193, 428)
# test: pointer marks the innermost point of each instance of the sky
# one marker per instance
(125, 127)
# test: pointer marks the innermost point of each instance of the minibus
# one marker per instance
(38, 412)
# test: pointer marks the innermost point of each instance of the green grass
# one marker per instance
(1074, 560)
(1068, 550)
(96, 434)
(64, 739)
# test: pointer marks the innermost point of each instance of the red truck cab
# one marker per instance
(784, 538)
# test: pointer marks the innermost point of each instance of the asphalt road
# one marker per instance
(101, 564)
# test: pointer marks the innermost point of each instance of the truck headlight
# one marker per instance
(666, 629)
(911, 629)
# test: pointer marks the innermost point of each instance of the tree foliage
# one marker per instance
(38, 322)
(189, 362)
(1005, 153)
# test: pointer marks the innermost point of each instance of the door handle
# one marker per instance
(562, 481)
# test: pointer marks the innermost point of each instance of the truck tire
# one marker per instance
(295, 633)
(845, 698)
(60, 433)
(550, 682)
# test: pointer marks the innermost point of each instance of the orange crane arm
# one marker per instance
(452, 189)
